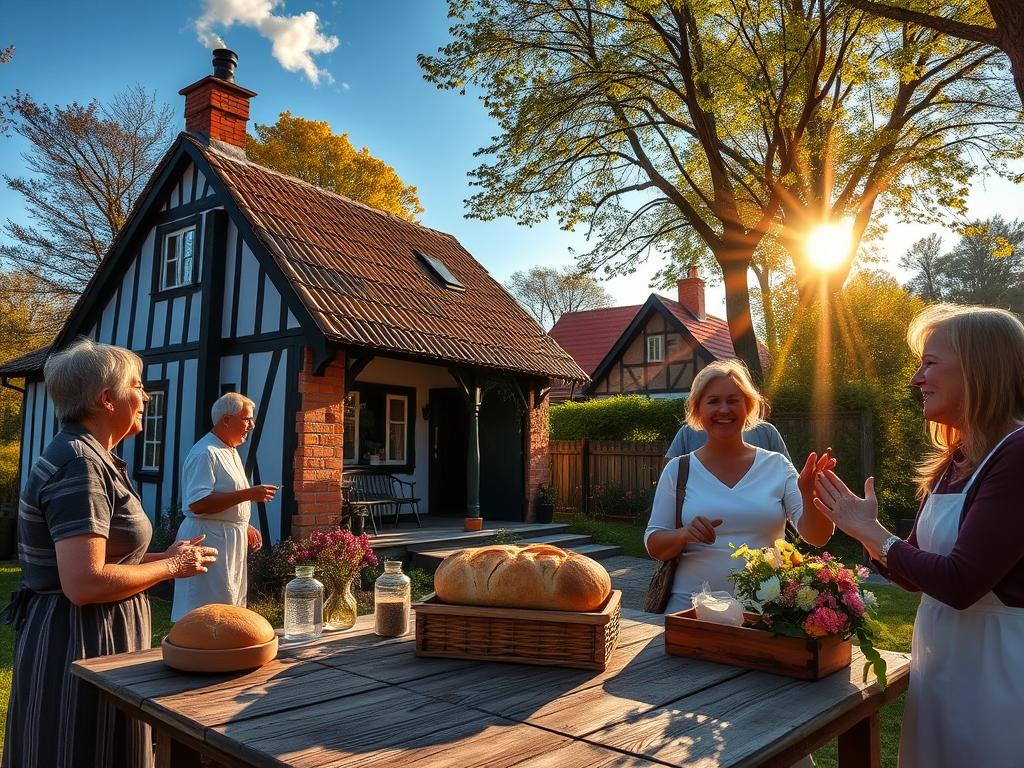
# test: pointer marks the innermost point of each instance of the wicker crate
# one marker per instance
(800, 657)
(549, 638)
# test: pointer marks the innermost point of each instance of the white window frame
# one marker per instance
(352, 403)
(153, 430)
(178, 258)
(388, 421)
(655, 348)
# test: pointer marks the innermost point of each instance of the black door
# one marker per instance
(449, 438)
(502, 495)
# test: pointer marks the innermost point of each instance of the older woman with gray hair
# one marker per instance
(217, 501)
(82, 545)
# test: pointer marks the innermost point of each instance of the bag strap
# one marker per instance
(681, 478)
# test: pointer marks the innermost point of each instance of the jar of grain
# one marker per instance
(392, 598)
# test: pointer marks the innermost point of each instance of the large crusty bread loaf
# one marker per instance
(537, 576)
(217, 626)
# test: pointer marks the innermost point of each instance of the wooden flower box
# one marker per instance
(799, 657)
(526, 636)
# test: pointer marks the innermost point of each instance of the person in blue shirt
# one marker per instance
(764, 435)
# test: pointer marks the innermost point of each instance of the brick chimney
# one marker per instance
(691, 293)
(216, 107)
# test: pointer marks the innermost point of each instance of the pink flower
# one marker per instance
(863, 572)
(828, 619)
(854, 602)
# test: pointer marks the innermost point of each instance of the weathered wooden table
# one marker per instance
(353, 699)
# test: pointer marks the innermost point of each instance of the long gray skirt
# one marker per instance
(55, 719)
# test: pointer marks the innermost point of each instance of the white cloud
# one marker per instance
(295, 39)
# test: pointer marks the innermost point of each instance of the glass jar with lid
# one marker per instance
(303, 606)
(392, 600)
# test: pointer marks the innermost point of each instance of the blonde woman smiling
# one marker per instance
(735, 492)
(966, 550)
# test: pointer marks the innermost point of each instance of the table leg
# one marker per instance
(173, 754)
(861, 745)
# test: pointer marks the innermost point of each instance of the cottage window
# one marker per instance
(351, 426)
(176, 268)
(380, 426)
(397, 429)
(153, 431)
(655, 348)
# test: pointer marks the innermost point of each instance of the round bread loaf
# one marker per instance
(216, 627)
(536, 576)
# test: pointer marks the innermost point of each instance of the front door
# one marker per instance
(502, 481)
(449, 438)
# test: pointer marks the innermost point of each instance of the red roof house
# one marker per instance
(651, 349)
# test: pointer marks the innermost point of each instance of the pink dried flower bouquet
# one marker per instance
(337, 554)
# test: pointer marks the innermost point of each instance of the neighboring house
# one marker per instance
(653, 349)
(363, 338)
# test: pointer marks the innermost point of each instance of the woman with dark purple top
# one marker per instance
(966, 551)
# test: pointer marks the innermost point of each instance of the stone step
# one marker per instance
(598, 551)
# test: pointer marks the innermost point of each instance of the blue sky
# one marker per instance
(69, 51)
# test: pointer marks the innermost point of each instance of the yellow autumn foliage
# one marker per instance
(309, 150)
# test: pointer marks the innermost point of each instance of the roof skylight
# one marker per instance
(441, 272)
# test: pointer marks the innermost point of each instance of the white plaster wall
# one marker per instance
(423, 378)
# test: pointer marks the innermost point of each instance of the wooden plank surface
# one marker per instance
(352, 698)
(743, 721)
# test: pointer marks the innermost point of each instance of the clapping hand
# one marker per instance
(702, 529)
(842, 506)
(813, 467)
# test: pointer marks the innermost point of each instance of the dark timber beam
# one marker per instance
(474, 394)
(354, 365)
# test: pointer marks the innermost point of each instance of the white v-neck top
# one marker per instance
(753, 512)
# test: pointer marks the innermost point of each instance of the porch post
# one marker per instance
(473, 451)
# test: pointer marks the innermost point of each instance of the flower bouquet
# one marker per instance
(807, 596)
(338, 556)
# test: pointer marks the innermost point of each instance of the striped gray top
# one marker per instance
(77, 487)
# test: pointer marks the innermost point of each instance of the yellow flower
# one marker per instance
(805, 598)
(743, 551)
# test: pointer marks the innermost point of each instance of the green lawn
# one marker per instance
(896, 618)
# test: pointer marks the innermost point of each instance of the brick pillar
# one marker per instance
(319, 453)
(538, 468)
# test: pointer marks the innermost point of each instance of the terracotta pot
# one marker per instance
(473, 524)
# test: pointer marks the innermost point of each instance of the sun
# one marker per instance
(829, 244)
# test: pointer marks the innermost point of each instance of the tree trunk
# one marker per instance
(1009, 18)
(764, 281)
(737, 312)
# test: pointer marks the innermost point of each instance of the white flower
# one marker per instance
(870, 601)
(805, 598)
(769, 590)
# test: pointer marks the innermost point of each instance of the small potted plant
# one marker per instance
(544, 508)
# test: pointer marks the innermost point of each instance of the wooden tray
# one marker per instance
(525, 636)
(798, 657)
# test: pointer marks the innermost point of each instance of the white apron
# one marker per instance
(967, 672)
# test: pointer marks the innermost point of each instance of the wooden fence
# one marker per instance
(589, 476)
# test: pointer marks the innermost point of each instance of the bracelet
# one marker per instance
(887, 545)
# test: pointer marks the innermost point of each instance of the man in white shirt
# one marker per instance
(217, 498)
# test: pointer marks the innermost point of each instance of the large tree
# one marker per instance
(87, 165)
(985, 266)
(548, 293)
(999, 23)
(309, 150)
(691, 125)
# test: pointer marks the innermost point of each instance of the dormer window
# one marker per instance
(177, 265)
(440, 272)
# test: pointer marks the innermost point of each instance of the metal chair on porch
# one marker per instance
(378, 492)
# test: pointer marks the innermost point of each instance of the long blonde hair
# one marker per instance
(989, 344)
(757, 405)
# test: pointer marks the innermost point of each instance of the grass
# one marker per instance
(895, 619)
(893, 631)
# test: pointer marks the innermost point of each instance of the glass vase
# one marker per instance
(303, 606)
(392, 596)
(340, 605)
